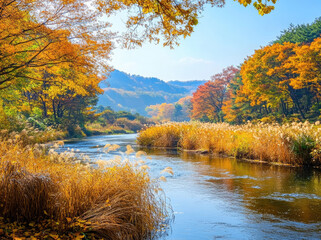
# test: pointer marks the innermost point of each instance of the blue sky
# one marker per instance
(223, 37)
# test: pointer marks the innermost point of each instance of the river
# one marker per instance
(223, 198)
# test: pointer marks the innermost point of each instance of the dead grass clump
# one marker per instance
(25, 195)
(51, 195)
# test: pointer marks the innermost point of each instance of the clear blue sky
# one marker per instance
(223, 37)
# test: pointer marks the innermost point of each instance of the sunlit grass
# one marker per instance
(296, 143)
(31, 135)
(53, 196)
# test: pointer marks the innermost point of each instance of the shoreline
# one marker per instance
(223, 155)
(295, 145)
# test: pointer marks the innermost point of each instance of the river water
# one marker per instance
(222, 198)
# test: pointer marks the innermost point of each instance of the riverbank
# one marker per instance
(51, 196)
(293, 144)
(224, 197)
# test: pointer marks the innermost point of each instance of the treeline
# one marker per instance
(279, 82)
(178, 112)
(49, 64)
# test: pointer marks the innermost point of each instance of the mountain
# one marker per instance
(189, 85)
(134, 93)
(121, 80)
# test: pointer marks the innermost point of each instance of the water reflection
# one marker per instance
(282, 199)
(288, 193)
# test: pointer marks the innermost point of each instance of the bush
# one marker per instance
(128, 124)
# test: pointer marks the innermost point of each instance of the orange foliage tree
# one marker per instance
(266, 78)
(280, 79)
(307, 66)
(179, 111)
(235, 107)
(39, 35)
(53, 51)
(207, 101)
(161, 112)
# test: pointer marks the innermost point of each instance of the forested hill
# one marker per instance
(134, 93)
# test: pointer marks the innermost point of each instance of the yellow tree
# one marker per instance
(43, 41)
(36, 34)
(161, 112)
(153, 19)
(263, 7)
(267, 76)
(26, 23)
(307, 66)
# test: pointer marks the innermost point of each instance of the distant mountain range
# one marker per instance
(134, 93)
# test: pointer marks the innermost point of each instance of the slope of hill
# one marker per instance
(121, 80)
(189, 85)
(134, 93)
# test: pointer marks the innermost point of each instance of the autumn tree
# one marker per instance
(207, 101)
(178, 112)
(186, 107)
(53, 51)
(161, 112)
(41, 34)
(306, 64)
(268, 79)
(36, 31)
(235, 106)
(279, 82)
(166, 19)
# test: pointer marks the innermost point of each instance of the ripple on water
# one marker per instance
(213, 178)
(291, 197)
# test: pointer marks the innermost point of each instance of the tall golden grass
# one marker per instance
(31, 135)
(51, 195)
(295, 144)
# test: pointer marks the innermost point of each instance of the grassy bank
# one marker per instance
(50, 196)
(99, 129)
(107, 121)
(295, 144)
(32, 135)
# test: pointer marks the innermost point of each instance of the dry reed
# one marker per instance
(296, 143)
(51, 196)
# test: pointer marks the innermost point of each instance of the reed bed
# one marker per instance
(52, 196)
(295, 143)
(31, 135)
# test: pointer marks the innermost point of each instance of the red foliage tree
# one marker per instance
(208, 99)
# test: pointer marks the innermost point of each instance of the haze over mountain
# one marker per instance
(134, 93)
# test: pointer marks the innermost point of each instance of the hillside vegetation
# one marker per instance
(280, 82)
(134, 93)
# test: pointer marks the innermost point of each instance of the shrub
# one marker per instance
(132, 125)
